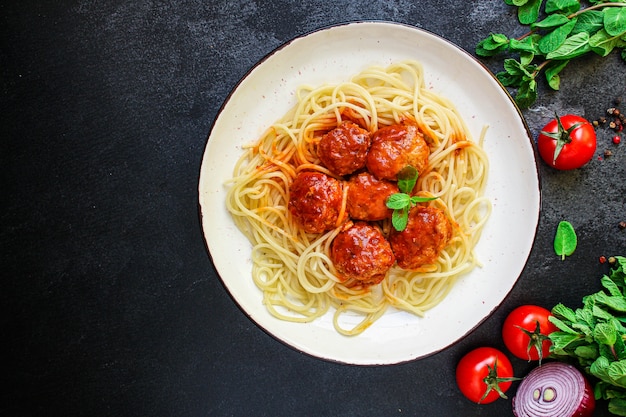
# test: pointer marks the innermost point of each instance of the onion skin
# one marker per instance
(554, 389)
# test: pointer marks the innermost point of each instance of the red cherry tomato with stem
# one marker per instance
(484, 374)
(567, 142)
(525, 332)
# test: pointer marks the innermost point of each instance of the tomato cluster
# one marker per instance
(484, 374)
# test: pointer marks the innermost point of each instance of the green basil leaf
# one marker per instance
(550, 22)
(562, 6)
(398, 201)
(565, 240)
(573, 47)
(554, 39)
(552, 73)
(615, 20)
(518, 2)
(529, 12)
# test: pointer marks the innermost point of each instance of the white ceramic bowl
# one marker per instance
(335, 54)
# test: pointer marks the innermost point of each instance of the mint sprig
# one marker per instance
(403, 201)
(562, 31)
(595, 336)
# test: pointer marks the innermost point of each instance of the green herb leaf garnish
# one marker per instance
(593, 336)
(565, 240)
(558, 32)
(402, 202)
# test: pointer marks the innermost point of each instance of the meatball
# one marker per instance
(367, 197)
(315, 201)
(343, 150)
(428, 231)
(362, 253)
(394, 147)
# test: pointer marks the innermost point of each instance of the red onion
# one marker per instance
(554, 389)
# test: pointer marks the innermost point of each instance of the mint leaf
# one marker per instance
(550, 22)
(407, 178)
(615, 20)
(605, 334)
(529, 12)
(552, 73)
(565, 240)
(400, 218)
(562, 6)
(554, 39)
(398, 201)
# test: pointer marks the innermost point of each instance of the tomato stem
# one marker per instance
(492, 380)
(562, 136)
(536, 340)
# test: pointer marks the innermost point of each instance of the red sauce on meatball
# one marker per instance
(362, 253)
(428, 231)
(344, 149)
(367, 197)
(315, 201)
(394, 147)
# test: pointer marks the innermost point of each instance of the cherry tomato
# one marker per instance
(525, 332)
(567, 142)
(484, 374)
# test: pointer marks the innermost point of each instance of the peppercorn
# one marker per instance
(621, 225)
(595, 123)
(616, 139)
(602, 119)
(602, 259)
(608, 153)
(612, 260)
(612, 125)
(611, 111)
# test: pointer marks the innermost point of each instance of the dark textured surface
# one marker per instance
(111, 303)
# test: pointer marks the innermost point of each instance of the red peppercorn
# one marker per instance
(616, 139)
(602, 259)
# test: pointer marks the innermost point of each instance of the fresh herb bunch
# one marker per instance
(559, 32)
(595, 335)
(403, 201)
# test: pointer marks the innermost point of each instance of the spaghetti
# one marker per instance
(293, 268)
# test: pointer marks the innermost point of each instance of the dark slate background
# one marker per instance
(111, 304)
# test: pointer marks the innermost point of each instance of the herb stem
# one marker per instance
(596, 6)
